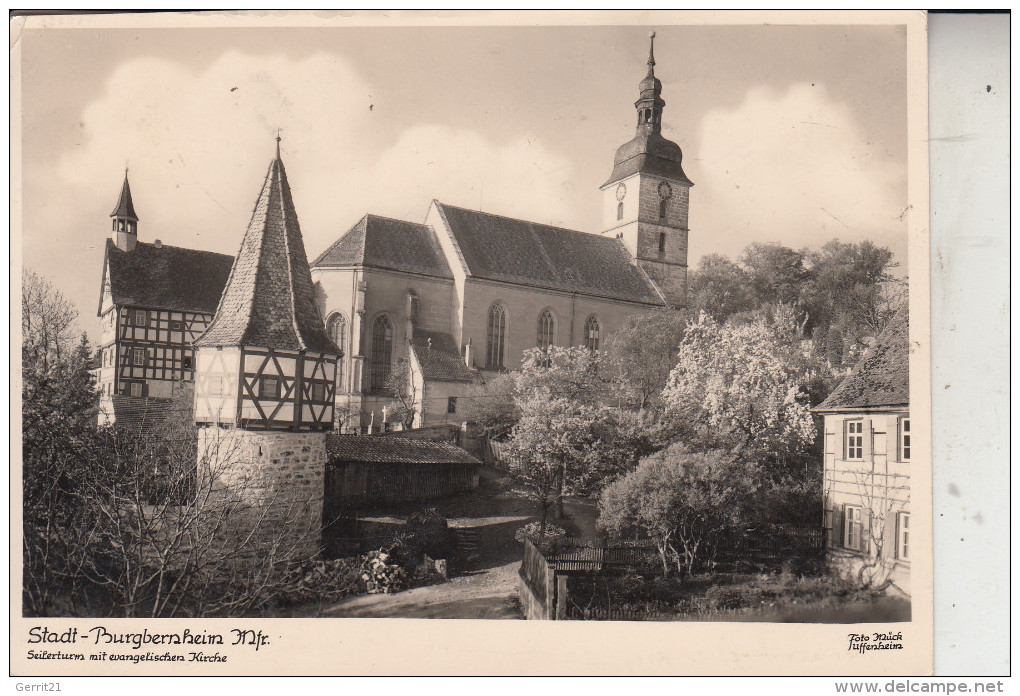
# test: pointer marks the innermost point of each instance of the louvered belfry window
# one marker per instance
(382, 344)
(495, 338)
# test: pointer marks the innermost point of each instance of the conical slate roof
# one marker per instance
(125, 208)
(269, 299)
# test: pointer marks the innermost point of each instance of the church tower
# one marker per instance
(265, 374)
(125, 223)
(646, 197)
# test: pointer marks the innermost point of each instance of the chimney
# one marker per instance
(467, 354)
(158, 244)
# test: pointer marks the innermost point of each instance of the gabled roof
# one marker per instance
(530, 253)
(882, 376)
(382, 242)
(439, 358)
(269, 300)
(166, 277)
(140, 414)
(382, 449)
(125, 208)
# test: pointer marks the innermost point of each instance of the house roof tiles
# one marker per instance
(269, 299)
(882, 376)
(518, 251)
(383, 449)
(167, 277)
(381, 242)
(439, 358)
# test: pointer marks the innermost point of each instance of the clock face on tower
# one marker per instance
(665, 190)
(621, 192)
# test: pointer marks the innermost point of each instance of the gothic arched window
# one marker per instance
(336, 327)
(662, 208)
(495, 337)
(382, 345)
(591, 333)
(546, 327)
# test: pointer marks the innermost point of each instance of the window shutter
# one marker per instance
(846, 425)
(866, 546)
(892, 439)
(889, 535)
(867, 438)
(840, 527)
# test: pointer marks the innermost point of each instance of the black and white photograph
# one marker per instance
(610, 321)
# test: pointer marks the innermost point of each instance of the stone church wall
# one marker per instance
(523, 306)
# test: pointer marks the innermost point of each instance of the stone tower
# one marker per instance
(264, 383)
(125, 222)
(646, 197)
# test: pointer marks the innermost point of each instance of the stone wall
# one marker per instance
(266, 486)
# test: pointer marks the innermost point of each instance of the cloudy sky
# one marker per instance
(790, 134)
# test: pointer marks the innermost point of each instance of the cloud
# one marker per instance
(461, 167)
(198, 144)
(793, 167)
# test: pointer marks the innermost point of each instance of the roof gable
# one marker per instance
(529, 253)
(382, 242)
(166, 277)
(882, 376)
(269, 299)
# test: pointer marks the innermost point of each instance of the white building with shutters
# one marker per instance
(867, 463)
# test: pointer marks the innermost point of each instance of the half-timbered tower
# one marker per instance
(266, 370)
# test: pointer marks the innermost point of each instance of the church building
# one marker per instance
(438, 304)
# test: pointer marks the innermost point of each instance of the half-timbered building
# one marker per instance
(156, 300)
(868, 462)
(455, 298)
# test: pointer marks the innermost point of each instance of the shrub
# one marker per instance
(531, 531)
(433, 531)
(686, 502)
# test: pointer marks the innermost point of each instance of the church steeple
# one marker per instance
(647, 195)
(649, 104)
(125, 222)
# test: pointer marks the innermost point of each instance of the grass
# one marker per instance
(715, 592)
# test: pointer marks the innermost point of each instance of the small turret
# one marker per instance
(125, 222)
